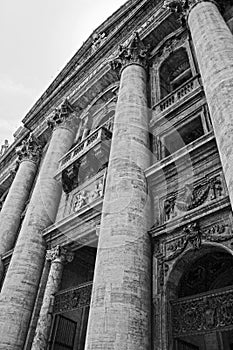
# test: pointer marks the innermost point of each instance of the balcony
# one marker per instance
(85, 159)
(95, 138)
(181, 94)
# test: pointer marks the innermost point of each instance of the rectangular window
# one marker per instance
(182, 136)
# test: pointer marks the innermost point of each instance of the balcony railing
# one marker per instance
(99, 135)
(177, 95)
(73, 298)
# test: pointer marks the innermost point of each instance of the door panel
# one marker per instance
(182, 345)
(64, 333)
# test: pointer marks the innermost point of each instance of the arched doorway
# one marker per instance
(200, 293)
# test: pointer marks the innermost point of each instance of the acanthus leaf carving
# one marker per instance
(30, 149)
(135, 52)
(59, 254)
(65, 116)
(183, 7)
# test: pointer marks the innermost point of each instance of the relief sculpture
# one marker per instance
(86, 196)
(192, 197)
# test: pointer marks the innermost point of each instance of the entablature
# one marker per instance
(76, 230)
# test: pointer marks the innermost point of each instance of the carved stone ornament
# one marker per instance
(59, 254)
(73, 299)
(97, 41)
(191, 197)
(29, 150)
(135, 52)
(64, 116)
(183, 7)
(198, 315)
(85, 197)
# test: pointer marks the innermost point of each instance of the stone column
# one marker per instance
(213, 43)
(58, 257)
(21, 283)
(121, 300)
(13, 207)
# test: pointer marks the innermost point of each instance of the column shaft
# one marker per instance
(213, 43)
(121, 301)
(58, 257)
(21, 282)
(14, 204)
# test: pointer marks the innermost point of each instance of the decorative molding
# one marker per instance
(192, 196)
(85, 197)
(73, 299)
(204, 313)
(97, 41)
(183, 7)
(65, 116)
(192, 236)
(135, 52)
(59, 254)
(29, 150)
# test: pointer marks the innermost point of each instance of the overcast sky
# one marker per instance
(37, 39)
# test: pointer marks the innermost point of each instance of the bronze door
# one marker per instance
(182, 345)
(63, 333)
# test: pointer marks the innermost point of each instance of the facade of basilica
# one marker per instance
(116, 227)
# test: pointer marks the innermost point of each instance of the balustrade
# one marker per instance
(177, 95)
(99, 135)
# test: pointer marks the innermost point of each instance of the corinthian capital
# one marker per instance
(29, 150)
(59, 254)
(183, 7)
(65, 116)
(135, 52)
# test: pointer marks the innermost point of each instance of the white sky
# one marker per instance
(37, 39)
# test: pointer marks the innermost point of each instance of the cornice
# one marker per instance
(127, 10)
(137, 18)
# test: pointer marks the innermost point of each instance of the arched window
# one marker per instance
(174, 71)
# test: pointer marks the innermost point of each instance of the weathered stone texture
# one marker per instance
(120, 310)
(14, 204)
(21, 282)
(58, 256)
(213, 43)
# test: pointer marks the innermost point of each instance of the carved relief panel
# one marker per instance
(191, 196)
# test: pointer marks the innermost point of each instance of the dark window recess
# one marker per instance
(174, 72)
(183, 136)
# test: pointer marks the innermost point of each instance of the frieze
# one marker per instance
(191, 197)
(200, 314)
(72, 299)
